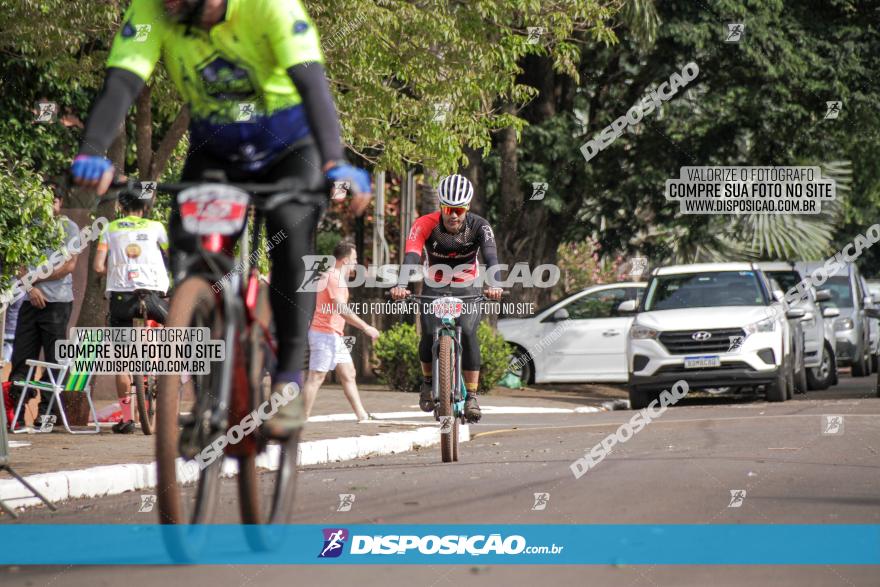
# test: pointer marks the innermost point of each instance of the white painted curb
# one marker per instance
(115, 479)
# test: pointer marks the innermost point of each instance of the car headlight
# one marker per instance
(843, 324)
(765, 325)
(641, 332)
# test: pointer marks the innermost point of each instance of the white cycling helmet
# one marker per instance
(455, 190)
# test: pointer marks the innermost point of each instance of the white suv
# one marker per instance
(713, 325)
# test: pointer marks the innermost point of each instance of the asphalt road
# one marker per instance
(680, 469)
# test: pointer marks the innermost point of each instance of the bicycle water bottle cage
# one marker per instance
(447, 309)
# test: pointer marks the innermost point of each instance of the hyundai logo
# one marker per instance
(701, 335)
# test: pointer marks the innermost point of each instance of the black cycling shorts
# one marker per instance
(125, 307)
(469, 321)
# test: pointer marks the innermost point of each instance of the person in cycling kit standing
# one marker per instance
(451, 237)
(131, 251)
(251, 74)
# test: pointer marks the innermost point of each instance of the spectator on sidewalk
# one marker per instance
(327, 348)
(44, 313)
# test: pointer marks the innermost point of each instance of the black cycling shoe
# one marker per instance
(472, 411)
(426, 397)
(124, 427)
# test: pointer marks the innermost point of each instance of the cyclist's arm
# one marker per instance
(311, 83)
(100, 262)
(133, 57)
(120, 89)
(489, 252)
(415, 242)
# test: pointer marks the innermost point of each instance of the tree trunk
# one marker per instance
(474, 172)
(428, 202)
(143, 132)
(94, 307)
(169, 143)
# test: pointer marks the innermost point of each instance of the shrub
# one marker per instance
(398, 352)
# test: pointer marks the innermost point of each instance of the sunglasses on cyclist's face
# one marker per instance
(454, 210)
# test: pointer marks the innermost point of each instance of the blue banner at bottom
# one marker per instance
(495, 544)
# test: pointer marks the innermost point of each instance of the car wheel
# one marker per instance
(800, 380)
(859, 365)
(820, 377)
(777, 389)
(522, 366)
(639, 398)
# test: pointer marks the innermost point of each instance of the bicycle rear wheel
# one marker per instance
(448, 421)
(265, 498)
(193, 305)
(145, 389)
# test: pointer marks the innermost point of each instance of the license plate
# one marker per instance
(702, 362)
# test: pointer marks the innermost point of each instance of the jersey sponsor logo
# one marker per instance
(133, 251)
(488, 235)
(225, 80)
(300, 27)
(124, 224)
(414, 233)
(143, 236)
(128, 30)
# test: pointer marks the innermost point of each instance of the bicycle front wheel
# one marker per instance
(193, 305)
(448, 421)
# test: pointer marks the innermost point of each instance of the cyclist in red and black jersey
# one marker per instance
(452, 238)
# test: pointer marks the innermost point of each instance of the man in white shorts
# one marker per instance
(327, 348)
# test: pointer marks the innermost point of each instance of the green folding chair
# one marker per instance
(61, 378)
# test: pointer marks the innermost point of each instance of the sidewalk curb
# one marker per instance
(107, 480)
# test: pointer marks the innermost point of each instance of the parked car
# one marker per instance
(818, 347)
(797, 338)
(873, 325)
(580, 338)
(712, 325)
(852, 327)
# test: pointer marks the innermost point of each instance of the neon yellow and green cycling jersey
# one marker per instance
(134, 248)
(234, 76)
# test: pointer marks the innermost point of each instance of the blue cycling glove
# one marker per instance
(359, 178)
(89, 167)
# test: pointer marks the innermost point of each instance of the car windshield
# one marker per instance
(841, 292)
(704, 290)
(786, 279)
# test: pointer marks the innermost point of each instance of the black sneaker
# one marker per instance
(472, 411)
(123, 427)
(426, 397)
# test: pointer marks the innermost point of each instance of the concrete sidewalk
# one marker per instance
(64, 466)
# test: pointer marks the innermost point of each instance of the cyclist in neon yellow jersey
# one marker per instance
(261, 110)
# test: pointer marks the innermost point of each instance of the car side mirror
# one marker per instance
(823, 295)
(872, 312)
(628, 306)
(559, 315)
(795, 313)
(830, 312)
(778, 295)
(867, 300)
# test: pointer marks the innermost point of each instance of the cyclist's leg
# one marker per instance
(426, 357)
(123, 309)
(470, 360)
(291, 309)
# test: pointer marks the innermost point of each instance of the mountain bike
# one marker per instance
(222, 291)
(449, 389)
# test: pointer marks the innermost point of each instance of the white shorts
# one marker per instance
(326, 350)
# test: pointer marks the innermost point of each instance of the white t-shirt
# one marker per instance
(134, 258)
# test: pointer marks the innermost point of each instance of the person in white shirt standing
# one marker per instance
(132, 251)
